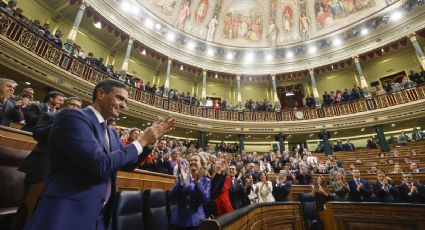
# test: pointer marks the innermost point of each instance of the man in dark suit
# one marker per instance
(9, 110)
(417, 135)
(237, 194)
(281, 188)
(410, 191)
(303, 176)
(36, 164)
(348, 146)
(359, 188)
(84, 157)
(51, 103)
(384, 190)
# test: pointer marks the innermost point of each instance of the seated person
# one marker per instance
(403, 138)
(384, 190)
(133, 134)
(359, 188)
(56, 38)
(414, 168)
(410, 191)
(281, 188)
(397, 169)
(348, 146)
(417, 135)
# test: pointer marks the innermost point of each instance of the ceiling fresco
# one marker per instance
(261, 23)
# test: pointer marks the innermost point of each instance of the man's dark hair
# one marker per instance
(67, 100)
(107, 86)
(52, 94)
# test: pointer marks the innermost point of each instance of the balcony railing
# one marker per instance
(33, 42)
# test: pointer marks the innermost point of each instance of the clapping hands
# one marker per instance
(157, 130)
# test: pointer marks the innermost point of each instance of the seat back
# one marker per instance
(308, 206)
(170, 206)
(155, 209)
(128, 211)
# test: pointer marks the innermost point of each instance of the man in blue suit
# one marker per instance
(84, 158)
(359, 188)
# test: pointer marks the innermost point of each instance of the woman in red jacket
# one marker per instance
(220, 187)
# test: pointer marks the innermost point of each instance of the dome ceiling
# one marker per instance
(261, 23)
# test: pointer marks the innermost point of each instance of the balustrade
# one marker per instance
(38, 45)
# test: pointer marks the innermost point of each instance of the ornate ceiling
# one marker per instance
(261, 23)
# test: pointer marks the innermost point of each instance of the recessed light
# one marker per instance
(143, 52)
(396, 16)
(210, 52)
(190, 45)
(337, 42)
(98, 25)
(158, 26)
(125, 6)
(364, 31)
(269, 57)
(229, 56)
(312, 49)
(336, 132)
(362, 130)
(27, 83)
(392, 125)
(148, 23)
(135, 10)
(289, 54)
(171, 36)
(124, 117)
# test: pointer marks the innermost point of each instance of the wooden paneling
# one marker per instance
(356, 216)
(265, 216)
(141, 180)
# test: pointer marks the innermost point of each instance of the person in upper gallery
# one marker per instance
(359, 187)
(237, 194)
(341, 187)
(410, 191)
(36, 164)
(133, 134)
(191, 192)
(9, 110)
(281, 188)
(264, 189)
(52, 102)
(417, 134)
(403, 138)
(384, 190)
(56, 38)
(348, 146)
(84, 158)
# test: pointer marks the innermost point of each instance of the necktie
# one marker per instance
(106, 144)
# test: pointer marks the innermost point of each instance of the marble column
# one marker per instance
(238, 92)
(124, 67)
(202, 139)
(324, 135)
(74, 30)
(381, 137)
(363, 83)
(167, 77)
(314, 87)
(241, 142)
(275, 98)
(204, 88)
(418, 49)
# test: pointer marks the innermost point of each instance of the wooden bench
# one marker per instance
(351, 215)
(270, 215)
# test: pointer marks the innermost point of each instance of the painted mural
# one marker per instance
(261, 23)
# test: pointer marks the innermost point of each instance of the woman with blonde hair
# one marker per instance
(341, 187)
(191, 192)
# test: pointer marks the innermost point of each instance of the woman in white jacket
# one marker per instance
(264, 189)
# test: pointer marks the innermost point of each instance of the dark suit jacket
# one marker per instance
(238, 196)
(9, 114)
(404, 192)
(80, 172)
(36, 164)
(33, 114)
(382, 195)
(281, 192)
(361, 195)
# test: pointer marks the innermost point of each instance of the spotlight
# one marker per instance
(312, 50)
(171, 37)
(27, 83)
(190, 45)
(289, 54)
(98, 25)
(396, 16)
(229, 56)
(269, 57)
(148, 23)
(210, 52)
(158, 26)
(249, 57)
(364, 31)
(337, 42)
